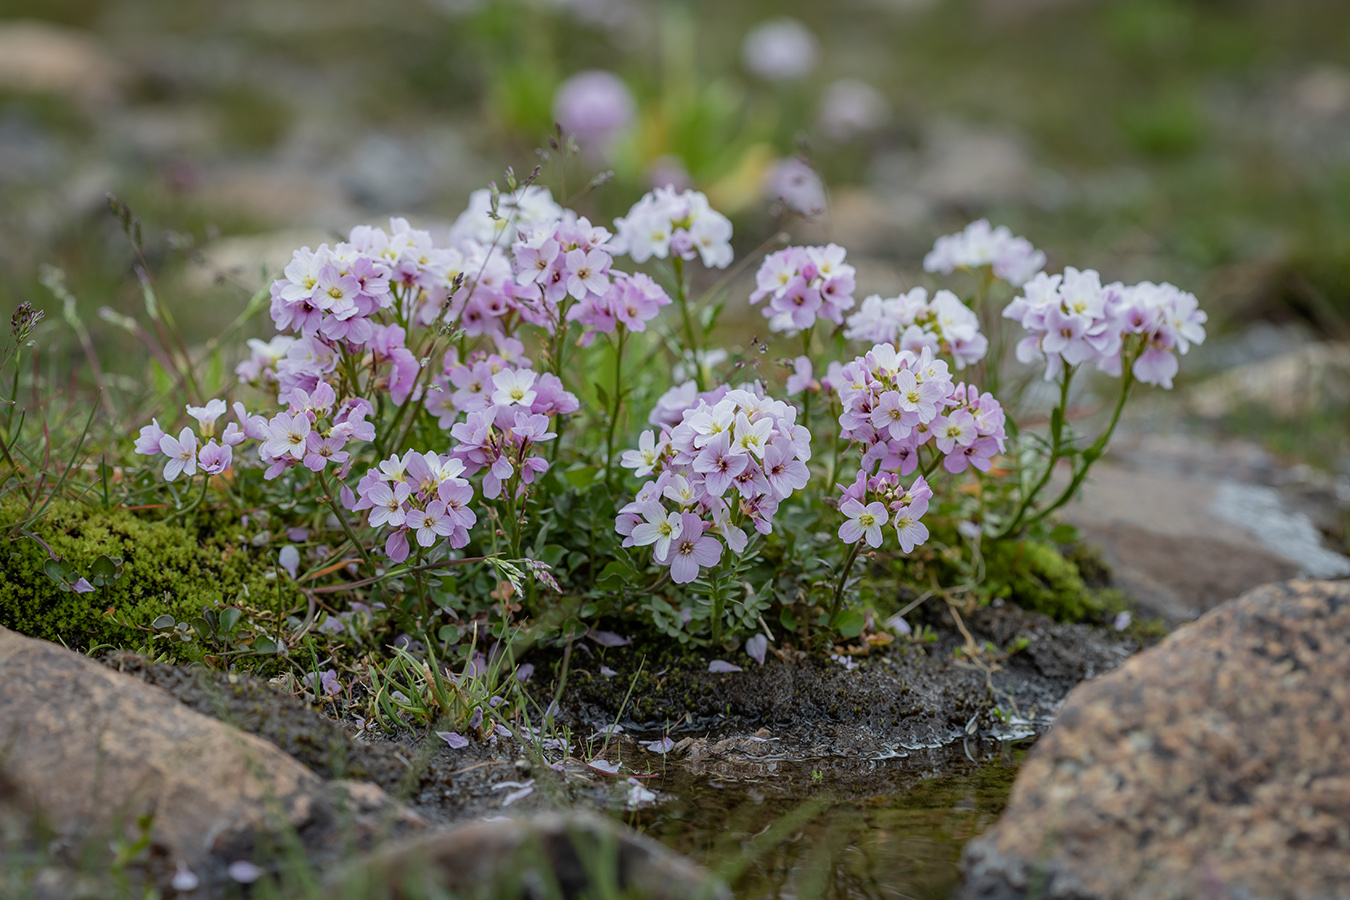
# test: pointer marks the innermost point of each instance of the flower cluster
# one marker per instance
(1071, 319)
(566, 259)
(1011, 258)
(313, 431)
(912, 322)
(630, 302)
(331, 298)
(897, 401)
(421, 494)
(803, 284)
(184, 455)
(894, 505)
(745, 445)
(508, 411)
(665, 222)
(528, 209)
(1165, 318)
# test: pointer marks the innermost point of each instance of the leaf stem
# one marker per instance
(843, 579)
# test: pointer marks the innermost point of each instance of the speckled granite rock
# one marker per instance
(1216, 764)
(88, 751)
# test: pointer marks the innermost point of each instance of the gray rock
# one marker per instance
(92, 753)
(545, 856)
(1216, 764)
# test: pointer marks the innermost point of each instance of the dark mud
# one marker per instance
(793, 727)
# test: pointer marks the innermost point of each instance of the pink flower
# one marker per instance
(396, 547)
(387, 504)
(511, 386)
(287, 435)
(431, 523)
(182, 454)
(691, 551)
(596, 107)
(214, 458)
(206, 416)
(147, 444)
(801, 377)
(908, 527)
(322, 450)
(863, 521)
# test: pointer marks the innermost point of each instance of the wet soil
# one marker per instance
(787, 729)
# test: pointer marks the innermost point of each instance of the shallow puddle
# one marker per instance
(835, 828)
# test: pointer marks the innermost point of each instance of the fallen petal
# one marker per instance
(756, 646)
(607, 638)
(665, 745)
(456, 741)
(721, 665)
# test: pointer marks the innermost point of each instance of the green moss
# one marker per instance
(176, 568)
(1035, 575)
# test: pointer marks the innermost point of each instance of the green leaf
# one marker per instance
(206, 630)
(61, 572)
(583, 477)
(163, 623)
(229, 617)
(105, 571)
(264, 645)
(448, 634)
(616, 574)
(603, 395)
(848, 622)
(1063, 533)
(787, 619)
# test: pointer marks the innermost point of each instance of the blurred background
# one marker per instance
(1203, 142)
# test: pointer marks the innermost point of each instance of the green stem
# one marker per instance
(682, 298)
(618, 402)
(1090, 455)
(13, 393)
(420, 579)
(182, 513)
(342, 520)
(843, 579)
(718, 602)
(834, 456)
(1056, 448)
(932, 463)
(509, 498)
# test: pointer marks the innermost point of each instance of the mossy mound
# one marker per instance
(1038, 577)
(177, 568)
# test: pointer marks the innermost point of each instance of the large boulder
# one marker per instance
(1216, 764)
(94, 755)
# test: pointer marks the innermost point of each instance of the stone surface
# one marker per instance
(583, 852)
(1216, 764)
(46, 58)
(90, 751)
(1186, 523)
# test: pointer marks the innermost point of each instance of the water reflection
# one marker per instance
(834, 827)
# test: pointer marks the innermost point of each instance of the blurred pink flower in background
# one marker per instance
(781, 49)
(850, 108)
(596, 108)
